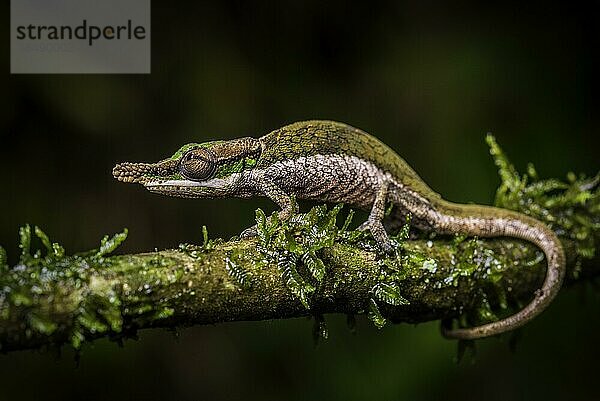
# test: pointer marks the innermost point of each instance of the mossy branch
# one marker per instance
(308, 266)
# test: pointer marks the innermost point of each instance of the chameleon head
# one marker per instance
(196, 170)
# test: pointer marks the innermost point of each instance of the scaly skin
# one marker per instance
(334, 162)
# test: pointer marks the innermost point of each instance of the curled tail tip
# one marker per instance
(543, 296)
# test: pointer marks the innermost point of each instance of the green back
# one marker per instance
(308, 138)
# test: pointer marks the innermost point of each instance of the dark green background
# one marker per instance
(429, 79)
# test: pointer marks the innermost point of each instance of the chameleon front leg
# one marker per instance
(280, 197)
(374, 222)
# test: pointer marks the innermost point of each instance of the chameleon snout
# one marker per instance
(133, 172)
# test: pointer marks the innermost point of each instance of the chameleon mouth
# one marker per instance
(184, 184)
(185, 188)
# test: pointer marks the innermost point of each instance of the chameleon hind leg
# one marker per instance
(280, 197)
(374, 222)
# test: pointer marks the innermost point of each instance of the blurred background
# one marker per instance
(428, 79)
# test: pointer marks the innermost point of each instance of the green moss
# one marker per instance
(296, 245)
(207, 244)
(571, 207)
(89, 302)
(375, 315)
(196, 251)
(301, 288)
(108, 245)
(163, 313)
(389, 293)
(41, 324)
(315, 265)
(240, 274)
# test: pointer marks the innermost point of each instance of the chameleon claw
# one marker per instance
(379, 234)
(388, 247)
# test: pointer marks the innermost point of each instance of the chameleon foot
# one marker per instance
(378, 232)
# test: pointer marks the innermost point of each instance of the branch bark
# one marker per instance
(115, 296)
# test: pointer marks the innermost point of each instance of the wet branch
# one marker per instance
(115, 296)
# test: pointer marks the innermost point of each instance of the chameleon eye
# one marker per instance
(197, 164)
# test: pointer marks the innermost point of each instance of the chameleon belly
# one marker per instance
(349, 180)
(331, 178)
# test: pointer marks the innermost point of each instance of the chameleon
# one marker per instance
(334, 162)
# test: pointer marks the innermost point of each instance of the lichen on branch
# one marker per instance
(309, 265)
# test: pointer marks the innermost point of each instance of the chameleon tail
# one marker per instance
(513, 224)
